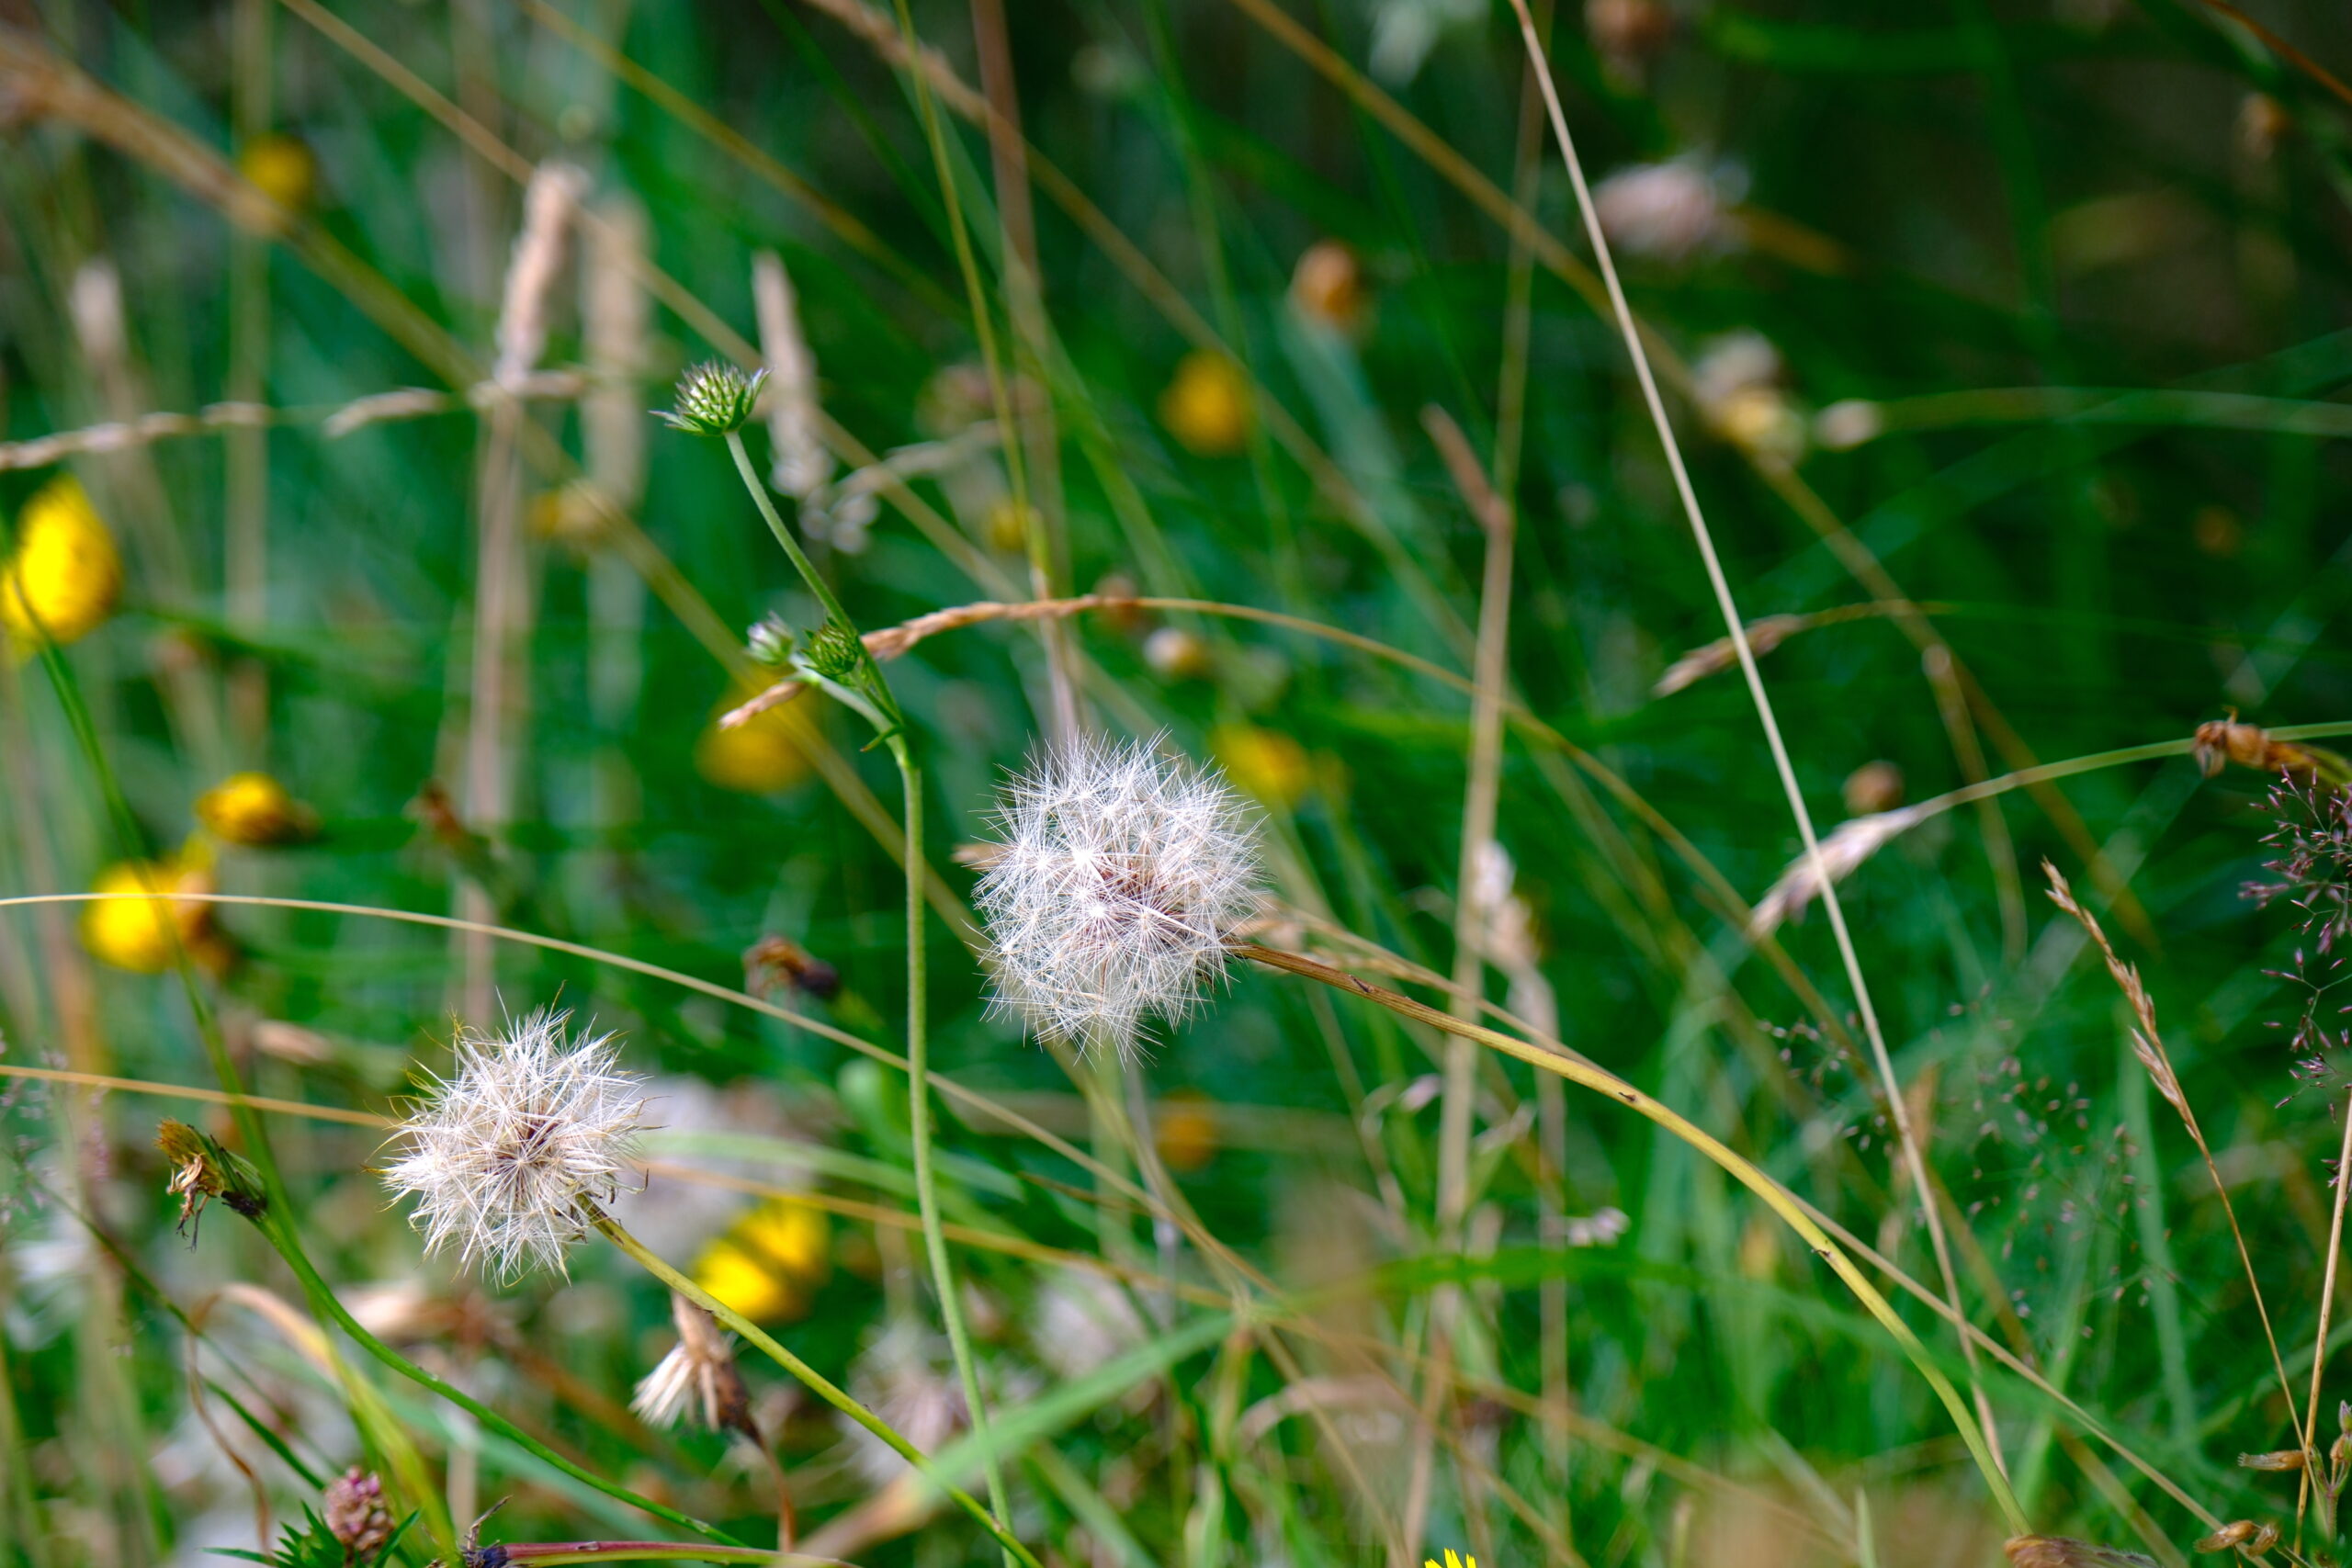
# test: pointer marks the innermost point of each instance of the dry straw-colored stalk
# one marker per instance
(2148, 1046)
(1982, 1434)
(801, 465)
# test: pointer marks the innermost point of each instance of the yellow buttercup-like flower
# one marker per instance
(768, 1263)
(283, 166)
(767, 754)
(64, 574)
(253, 809)
(1206, 405)
(145, 935)
(1452, 1560)
(1266, 763)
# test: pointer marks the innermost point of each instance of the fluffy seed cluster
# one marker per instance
(1121, 876)
(500, 1155)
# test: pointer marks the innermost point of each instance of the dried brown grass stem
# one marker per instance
(2148, 1046)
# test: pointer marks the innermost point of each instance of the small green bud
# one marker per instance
(771, 643)
(714, 399)
(833, 652)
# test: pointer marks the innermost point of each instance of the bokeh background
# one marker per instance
(2004, 340)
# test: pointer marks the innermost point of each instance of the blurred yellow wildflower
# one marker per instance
(283, 166)
(1263, 763)
(1451, 1560)
(145, 935)
(64, 573)
(1184, 1132)
(1008, 525)
(253, 809)
(1206, 404)
(765, 753)
(767, 1266)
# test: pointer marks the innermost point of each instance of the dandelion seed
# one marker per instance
(1119, 878)
(500, 1157)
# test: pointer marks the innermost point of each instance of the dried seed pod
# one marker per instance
(2250, 746)
(2243, 1535)
(2282, 1459)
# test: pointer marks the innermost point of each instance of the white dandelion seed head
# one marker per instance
(501, 1152)
(1121, 874)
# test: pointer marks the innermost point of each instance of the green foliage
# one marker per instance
(2004, 344)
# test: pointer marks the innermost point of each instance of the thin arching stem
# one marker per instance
(1898, 1110)
(870, 683)
(1777, 1198)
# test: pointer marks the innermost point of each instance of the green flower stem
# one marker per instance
(934, 1236)
(808, 570)
(875, 687)
(273, 1226)
(808, 1375)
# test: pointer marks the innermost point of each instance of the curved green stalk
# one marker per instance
(815, 1381)
(1777, 1198)
(868, 690)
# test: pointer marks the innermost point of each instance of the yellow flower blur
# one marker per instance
(767, 753)
(64, 574)
(1184, 1132)
(1263, 763)
(768, 1263)
(1206, 405)
(253, 809)
(1451, 1560)
(283, 166)
(143, 935)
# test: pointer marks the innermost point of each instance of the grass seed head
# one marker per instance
(1120, 876)
(502, 1154)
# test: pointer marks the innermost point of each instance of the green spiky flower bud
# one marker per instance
(833, 652)
(714, 399)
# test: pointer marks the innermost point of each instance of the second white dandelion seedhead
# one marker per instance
(502, 1154)
(1121, 876)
